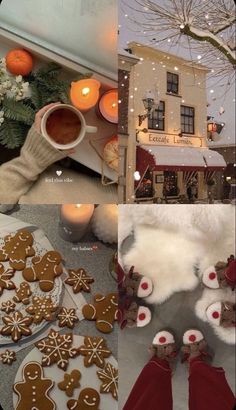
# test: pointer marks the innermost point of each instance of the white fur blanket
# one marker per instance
(171, 239)
(210, 296)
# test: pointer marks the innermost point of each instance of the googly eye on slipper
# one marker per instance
(213, 313)
(192, 336)
(145, 287)
(143, 316)
(163, 337)
(210, 279)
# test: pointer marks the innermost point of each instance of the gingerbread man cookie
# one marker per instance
(45, 269)
(104, 311)
(33, 389)
(23, 294)
(17, 249)
(70, 382)
(88, 399)
(5, 279)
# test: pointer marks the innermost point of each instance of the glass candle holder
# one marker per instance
(108, 106)
(74, 221)
(84, 94)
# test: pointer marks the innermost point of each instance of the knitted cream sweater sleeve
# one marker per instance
(18, 175)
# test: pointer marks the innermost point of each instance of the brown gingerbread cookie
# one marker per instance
(88, 398)
(67, 317)
(79, 279)
(33, 390)
(5, 279)
(45, 269)
(95, 351)
(70, 382)
(109, 377)
(16, 326)
(57, 349)
(23, 294)
(8, 306)
(42, 308)
(8, 357)
(17, 249)
(104, 310)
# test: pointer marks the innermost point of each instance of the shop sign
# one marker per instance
(169, 139)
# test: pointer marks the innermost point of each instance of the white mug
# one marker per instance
(83, 130)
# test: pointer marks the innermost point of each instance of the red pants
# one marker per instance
(208, 388)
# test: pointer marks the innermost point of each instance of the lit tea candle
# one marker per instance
(74, 221)
(84, 94)
(108, 106)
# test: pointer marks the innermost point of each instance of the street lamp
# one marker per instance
(150, 101)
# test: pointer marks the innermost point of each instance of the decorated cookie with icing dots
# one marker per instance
(16, 326)
(5, 279)
(104, 311)
(88, 399)
(45, 269)
(57, 349)
(42, 308)
(33, 390)
(17, 249)
(23, 294)
(70, 382)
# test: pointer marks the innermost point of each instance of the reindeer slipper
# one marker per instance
(133, 315)
(164, 346)
(137, 285)
(222, 314)
(194, 345)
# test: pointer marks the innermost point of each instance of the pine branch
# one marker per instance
(18, 111)
(12, 133)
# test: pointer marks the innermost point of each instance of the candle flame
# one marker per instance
(113, 105)
(85, 91)
(78, 205)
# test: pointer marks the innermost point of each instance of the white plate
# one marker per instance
(55, 294)
(89, 378)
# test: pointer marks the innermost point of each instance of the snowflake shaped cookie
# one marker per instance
(42, 308)
(5, 279)
(67, 317)
(109, 378)
(8, 357)
(79, 279)
(8, 306)
(95, 351)
(57, 349)
(16, 326)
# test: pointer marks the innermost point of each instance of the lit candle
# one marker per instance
(108, 106)
(84, 94)
(74, 221)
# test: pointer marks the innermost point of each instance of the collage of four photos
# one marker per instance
(117, 205)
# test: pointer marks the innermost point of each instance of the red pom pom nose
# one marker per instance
(142, 316)
(215, 315)
(212, 275)
(144, 285)
(162, 339)
(192, 338)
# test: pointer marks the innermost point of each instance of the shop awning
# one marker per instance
(177, 158)
(213, 159)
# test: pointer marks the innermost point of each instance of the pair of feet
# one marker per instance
(194, 345)
(221, 276)
(133, 288)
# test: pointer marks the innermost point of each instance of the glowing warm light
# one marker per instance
(86, 91)
(84, 94)
(108, 106)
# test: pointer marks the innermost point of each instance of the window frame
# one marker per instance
(187, 116)
(172, 83)
(152, 121)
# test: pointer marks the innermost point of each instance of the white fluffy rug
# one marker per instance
(171, 239)
(210, 296)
